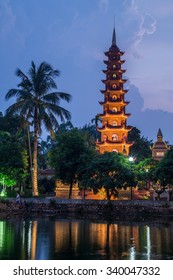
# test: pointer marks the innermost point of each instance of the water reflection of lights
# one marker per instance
(2, 227)
(148, 243)
(34, 240)
(23, 233)
(132, 249)
(29, 239)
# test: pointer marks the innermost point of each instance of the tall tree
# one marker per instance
(73, 150)
(110, 171)
(38, 100)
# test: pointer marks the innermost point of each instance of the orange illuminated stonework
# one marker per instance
(114, 130)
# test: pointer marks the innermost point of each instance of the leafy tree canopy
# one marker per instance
(13, 158)
(164, 170)
(141, 147)
(110, 171)
(72, 151)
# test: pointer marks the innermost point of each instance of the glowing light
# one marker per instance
(3, 193)
(132, 253)
(131, 159)
(6, 182)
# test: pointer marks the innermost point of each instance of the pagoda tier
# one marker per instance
(121, 71)
(107, 62)
(114, 130)
(111, 82)
(112, 101)
(112, 127)
(118, 53)
(115, 114)
(114, 146)
(119, 90)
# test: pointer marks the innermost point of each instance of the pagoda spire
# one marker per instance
(114, 37)
(159, 135)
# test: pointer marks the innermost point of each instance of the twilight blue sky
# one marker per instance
(72, 35)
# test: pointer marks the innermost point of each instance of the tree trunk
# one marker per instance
(30, 154)
(70, 190)
(35, 173)
(107, 194)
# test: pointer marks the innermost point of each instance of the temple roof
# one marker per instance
(160, 144)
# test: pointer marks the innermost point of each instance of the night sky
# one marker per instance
(72, 36)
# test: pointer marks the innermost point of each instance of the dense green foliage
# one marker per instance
(164, 170)
(141, 147)
(145, 172)
(72, 151)
(13, 154)
(109, 171)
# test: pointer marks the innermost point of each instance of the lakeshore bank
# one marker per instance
(97, 209)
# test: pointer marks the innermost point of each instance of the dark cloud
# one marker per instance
(148, 120)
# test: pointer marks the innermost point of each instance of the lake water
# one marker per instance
(53, 238)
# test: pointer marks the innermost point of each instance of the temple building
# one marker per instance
(114, 130)
(159, 148)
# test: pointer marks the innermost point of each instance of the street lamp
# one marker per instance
(131, 159)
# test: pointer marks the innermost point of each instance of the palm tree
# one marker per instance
(38, 100)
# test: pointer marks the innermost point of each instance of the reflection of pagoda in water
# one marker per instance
(114, 130)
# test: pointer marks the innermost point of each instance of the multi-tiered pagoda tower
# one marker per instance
(114, 130)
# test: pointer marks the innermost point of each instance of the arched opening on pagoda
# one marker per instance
(114, 123)
(115, 151)
(114, 97)
(114, 137)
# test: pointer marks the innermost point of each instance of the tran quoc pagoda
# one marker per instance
(114, 130)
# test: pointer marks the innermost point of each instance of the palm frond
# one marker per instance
(55, 97)
(45, 78)
(25, 81)
(35, 90)
(28, 108)
(47, 118)
(15, 108)
(51, 98)
(64, 96)
(53, 120)
(59, 111)
(20, 74)
(11, 93)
